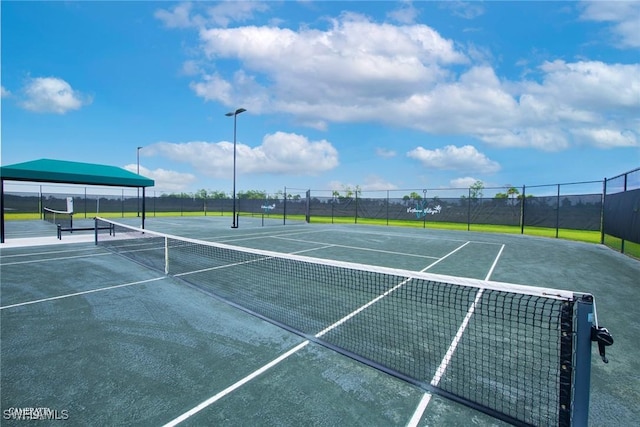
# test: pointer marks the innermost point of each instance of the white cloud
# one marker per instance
(608, 138)
(184, 15)
(279, 153)
(594, 84)
(52, 95)
(377, 183)
(358, 71)
(370, 183)
(4, 93)
(214, 88)
(384, 153)
(624, 17)
(227, 12)
(178, 17)
(464, 182)
(466, 158)
(165, 180)
(377, 63)
(464, 9)
(191, 68)
(405, 13)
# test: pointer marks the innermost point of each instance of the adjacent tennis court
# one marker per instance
(100, 338)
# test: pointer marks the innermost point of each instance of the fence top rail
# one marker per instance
(398, 190)
(623, 174)
(565, 183)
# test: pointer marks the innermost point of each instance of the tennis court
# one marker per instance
(102, 340)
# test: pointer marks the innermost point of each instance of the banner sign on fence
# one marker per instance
(421, 210)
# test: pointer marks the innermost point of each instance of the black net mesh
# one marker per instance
(496, 349)
(63, 219)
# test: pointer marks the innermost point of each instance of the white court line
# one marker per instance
(83, 292)
(22, 255)
(414, 236)
(24, 242)
(379, 297)
(218, 267)
(251, 376)
(233, 387)
(54, 259)
(444, 257)
(265, 235)
(357, 248)
(426, 398)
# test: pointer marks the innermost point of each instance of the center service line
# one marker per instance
(422, 406)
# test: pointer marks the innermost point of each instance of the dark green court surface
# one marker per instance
(97, 339)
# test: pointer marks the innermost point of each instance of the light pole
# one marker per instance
(138, 157)
(234, 114)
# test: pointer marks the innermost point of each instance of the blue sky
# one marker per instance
(380, 95)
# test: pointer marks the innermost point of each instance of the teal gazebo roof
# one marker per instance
(66, 172)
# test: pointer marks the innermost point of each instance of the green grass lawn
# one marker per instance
(630, 248)
(578, 235)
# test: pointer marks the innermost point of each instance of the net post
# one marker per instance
(582, 361)
(565, 366)
(95, 230)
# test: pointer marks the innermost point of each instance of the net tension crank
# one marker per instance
(604, 339)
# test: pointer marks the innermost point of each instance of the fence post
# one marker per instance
(332, 208)
(604, 198)
(522, 208)
(40, 203)
(469, 211)
(558, 211)
(356, 218)
(626, 175)
(387, 207)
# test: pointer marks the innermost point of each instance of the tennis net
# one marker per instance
(62, 218)
(515, 352)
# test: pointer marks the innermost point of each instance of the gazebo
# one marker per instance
(66, 172)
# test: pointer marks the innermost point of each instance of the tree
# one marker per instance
(475, 191)
(252, 194)
(217, 195)
(348, 192)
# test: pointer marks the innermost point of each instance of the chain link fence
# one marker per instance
(550, 210)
